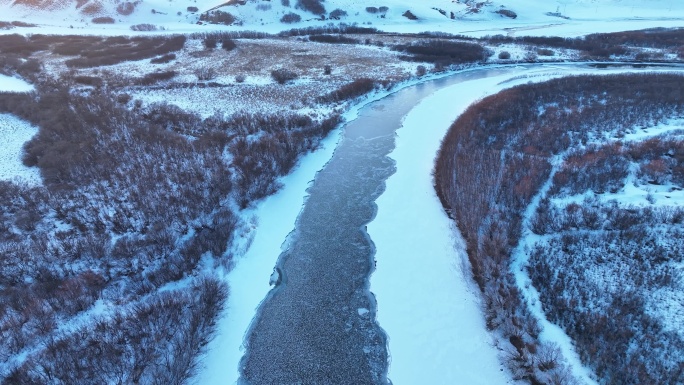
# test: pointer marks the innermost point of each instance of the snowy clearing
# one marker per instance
(533, 17)
(12, 84)
(14, 132)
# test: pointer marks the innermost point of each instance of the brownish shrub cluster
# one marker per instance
(348, 91)
(333, 39)
(114, 50)
(604, 45)
(443, 51)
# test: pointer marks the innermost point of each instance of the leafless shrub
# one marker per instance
(283, 75)
(103, 20)
(144, 27)
(349, 91)
(313, 6)
(205, 73)
(126, 8)
(290, 18)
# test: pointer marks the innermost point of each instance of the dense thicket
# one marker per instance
(602, 45)
(494, 160)
(132, 201)
(608, 268)
(443, 51)
(92, 51)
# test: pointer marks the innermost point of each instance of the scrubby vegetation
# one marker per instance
(604, 45)
(619, 260)
(313, 6)
(495, 159)
(92, 51)
(290, 18)
(107, 268)
(443, 51)
(218, 17)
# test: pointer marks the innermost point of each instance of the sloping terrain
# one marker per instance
(468, 16)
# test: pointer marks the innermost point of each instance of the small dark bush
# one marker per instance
(327, 70)
(409, 15)
(285, 3)
(228, 44)
(125, 8)
(210, 42)
(88, 80)
(337, 14)
(642, 56)
(504, 55)
(313, 6)
(240, 78)
(123, 98)
(163, 59)
(372, 9)
(103, 20)
(545, 52)
(421, 70)
(383, 9)
(92, 9)
(218, 17)
(144, 27)
(155, 77)
(205, 73)
(283, 75)
(507, 13)
(193, 9)
(290, 18)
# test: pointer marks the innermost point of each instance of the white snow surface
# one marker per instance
(428, 304)
(12, 84)
(534, 17)
(14, 132)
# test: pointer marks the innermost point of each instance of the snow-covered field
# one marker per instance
(534, 17)
(14, 132)
(12, 84)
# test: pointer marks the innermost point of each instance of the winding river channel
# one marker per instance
(317, 325)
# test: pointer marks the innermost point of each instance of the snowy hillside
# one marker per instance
(537, 17)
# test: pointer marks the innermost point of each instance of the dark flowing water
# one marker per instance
(317, 325)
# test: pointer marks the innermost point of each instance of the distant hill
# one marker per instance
(273, 15)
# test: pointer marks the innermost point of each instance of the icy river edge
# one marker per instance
(419, 282)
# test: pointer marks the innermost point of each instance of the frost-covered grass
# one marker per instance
(14, 132)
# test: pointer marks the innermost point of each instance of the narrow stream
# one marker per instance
(317, 325)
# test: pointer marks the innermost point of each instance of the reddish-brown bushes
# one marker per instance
(443, 51)
(493, 161)
(352, 90)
